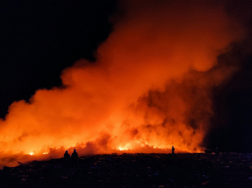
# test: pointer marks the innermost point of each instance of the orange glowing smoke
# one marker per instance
(149, 89)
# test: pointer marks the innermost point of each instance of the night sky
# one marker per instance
(41, 38)
(38, 39)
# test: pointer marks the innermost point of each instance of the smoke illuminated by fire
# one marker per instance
(149, 89)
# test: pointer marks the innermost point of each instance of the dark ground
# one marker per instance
(135, 170)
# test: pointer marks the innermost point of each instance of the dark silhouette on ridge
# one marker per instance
(66, 155)
(173, 149)
(74, 155)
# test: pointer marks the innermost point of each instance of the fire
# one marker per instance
(149, 89)
(31, 153)
(122, 148)
(126, 147)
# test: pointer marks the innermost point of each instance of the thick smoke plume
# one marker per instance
(149, 89)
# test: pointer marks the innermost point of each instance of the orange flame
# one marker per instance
(149, 89)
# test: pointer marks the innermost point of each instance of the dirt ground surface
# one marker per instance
(135, 170)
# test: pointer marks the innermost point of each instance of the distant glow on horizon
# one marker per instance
(31, 153)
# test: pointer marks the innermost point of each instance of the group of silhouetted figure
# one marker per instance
(73, 156)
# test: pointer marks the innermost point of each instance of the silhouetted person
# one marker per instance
(66, 155)
(74, 154)
(173, 149)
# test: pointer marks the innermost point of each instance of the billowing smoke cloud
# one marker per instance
(149, 89)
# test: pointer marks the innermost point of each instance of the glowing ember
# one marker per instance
(31, 153)
(126, 147)
(121, 148)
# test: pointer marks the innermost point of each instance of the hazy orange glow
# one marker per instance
(149, 89)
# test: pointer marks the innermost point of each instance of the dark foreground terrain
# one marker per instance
(134, 170)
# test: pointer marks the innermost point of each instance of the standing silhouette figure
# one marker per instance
(66, 155)
(74, 154)
(173, 149)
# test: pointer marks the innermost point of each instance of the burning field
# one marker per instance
(149, 89)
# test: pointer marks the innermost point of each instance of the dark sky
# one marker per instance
(38, 39)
